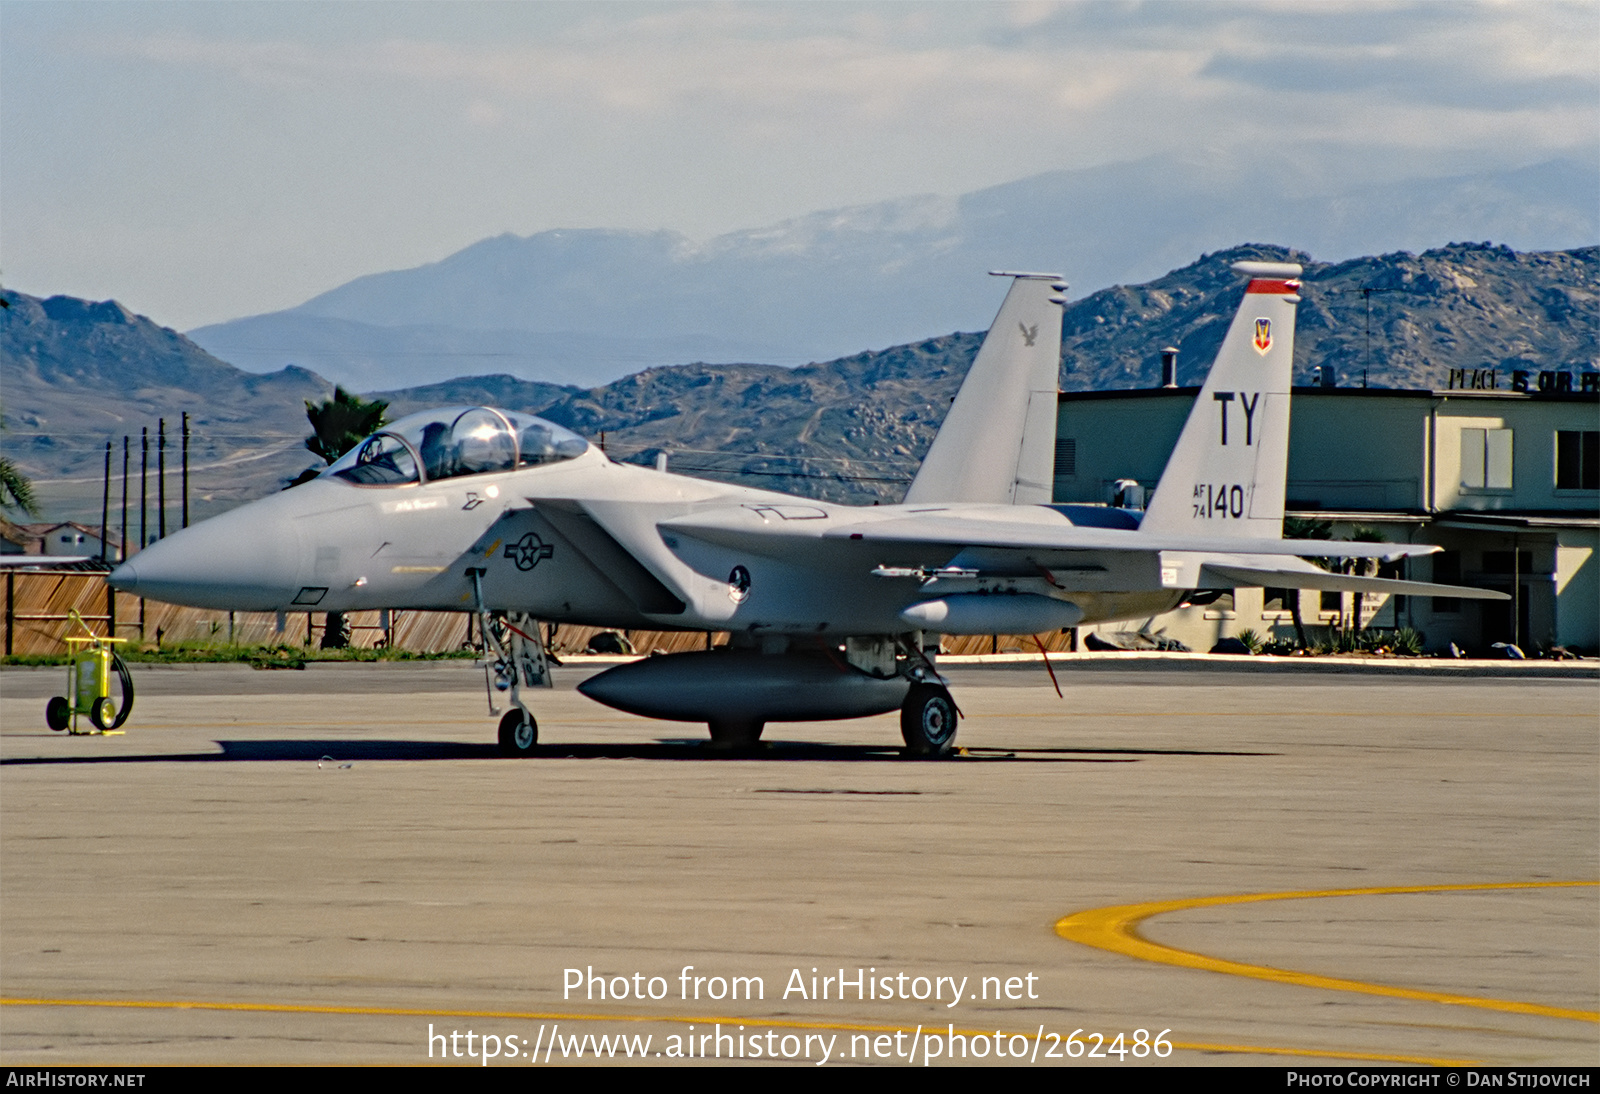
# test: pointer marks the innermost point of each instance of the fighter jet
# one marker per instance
(835, 611)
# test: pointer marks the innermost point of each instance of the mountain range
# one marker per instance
(854, 428)
(587, 307)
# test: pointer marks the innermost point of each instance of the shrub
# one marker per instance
(1408, 642)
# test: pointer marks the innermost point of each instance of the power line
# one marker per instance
(292, 443)
(834, 476)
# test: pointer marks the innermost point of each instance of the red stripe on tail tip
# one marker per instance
(1277, 288)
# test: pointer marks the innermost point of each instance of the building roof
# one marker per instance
(1349, 393)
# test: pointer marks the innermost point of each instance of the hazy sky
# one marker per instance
(203, 161)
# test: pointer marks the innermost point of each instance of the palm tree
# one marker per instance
(1300, 528)
(1362, 533)
(340, 423)
(16, 492)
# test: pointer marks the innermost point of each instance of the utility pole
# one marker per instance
(161, 477)
(144, 490)
(185, 469)
(105, 503)
(122, 547)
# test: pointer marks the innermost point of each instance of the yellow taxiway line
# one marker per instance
(1117, 929)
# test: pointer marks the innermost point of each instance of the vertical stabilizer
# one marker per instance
(997, 444)
(1226, 475)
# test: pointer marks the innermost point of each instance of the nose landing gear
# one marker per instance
(513, 641)
(519, 733)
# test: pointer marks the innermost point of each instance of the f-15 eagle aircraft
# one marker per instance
(835, 611)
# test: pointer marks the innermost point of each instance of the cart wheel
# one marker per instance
(58, 713)
(103, 713)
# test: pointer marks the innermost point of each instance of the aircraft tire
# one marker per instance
(58, 713)
(736, 734)
(928, 721)
(103, 714)
(519, 733)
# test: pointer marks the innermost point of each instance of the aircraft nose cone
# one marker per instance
(246, 560)
(124, 578)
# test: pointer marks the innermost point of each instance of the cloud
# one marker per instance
(776, 66)
(480, 112)
(329, 125)
(1446, 84)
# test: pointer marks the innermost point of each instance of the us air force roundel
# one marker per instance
(528, 551)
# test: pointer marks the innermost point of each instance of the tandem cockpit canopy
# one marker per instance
(441, 444)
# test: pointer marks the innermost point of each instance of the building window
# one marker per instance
(1577, 459)
(1486, 459)
(1331, 603)
(1220, 608)
(1066, 457)
(1502, 562)
(1277, 601)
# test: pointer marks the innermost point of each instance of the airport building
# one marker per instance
(69, 538)
(1507, 482)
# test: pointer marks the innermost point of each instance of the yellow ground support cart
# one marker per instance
(90, 661)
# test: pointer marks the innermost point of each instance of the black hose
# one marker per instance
(127, 690)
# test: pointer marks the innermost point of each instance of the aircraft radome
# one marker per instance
(835, 610)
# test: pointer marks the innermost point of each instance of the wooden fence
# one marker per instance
(38, 603)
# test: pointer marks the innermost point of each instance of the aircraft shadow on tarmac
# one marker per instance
(336, 753)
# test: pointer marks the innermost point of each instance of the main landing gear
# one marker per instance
(928, 721)
(928, 716)
(735, 734)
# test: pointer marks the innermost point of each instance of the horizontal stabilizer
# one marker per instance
(1212, 575)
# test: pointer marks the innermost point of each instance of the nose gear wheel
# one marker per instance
(519, 733)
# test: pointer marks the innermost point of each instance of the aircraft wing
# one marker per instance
(1065, 536)
(1020, 528)
(1018, 541)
